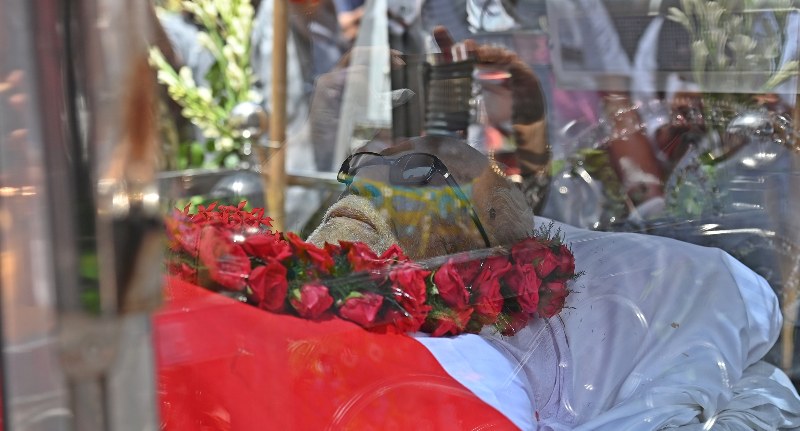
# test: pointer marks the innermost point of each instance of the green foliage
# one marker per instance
(89, 273)
(597, 163)
(695, 190)
(723, 39)
(169, 5)
(225, 31)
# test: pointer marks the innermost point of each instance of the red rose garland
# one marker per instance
(229, 249)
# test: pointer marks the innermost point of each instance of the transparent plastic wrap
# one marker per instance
(561, 328)
(654, 333)
(730, 181)
(656, 286)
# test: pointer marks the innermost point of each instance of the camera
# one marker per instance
(449, 96)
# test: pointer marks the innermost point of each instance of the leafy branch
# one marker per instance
(225, 28)
(724, 39)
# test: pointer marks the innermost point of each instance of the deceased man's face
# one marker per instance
(431, 195)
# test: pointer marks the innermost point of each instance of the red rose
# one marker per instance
(173, 225)
(410, 293)
(450, 285)
(533, 251)
(361, 257)
(449, 321)
(408, 280)
(546, 262)
(553, 296)
(489, 301)
(254, 218)
(362, 309)
(407, 320)
(566, 261)
(394, 253)
(512, 323)
(269, 285)
(469, 270)
(525, 250)
(551, 305)
(182, 271)
(498, 265)
(203, 213)
(311, 301)
(333, 250)
(310, 253)
(182, 236)
(558, 287)
(226, 262)
(267, 246)
(524, 283)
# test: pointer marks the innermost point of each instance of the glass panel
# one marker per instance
(372, 214)
(623, 126)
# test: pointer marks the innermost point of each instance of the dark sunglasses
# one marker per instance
(413, 169)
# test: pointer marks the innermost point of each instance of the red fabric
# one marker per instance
(223, 365)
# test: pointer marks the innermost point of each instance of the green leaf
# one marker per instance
(353, 294)
(91, 301)
(87, 266)
(196, 154)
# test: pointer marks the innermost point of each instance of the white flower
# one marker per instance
(717, 37)
(699, 50)
(185, 75)
(245, 11)
(192, 7)
(255, 96)
(742, 44)
(167, 78)
(210, 9)
(225, 32)
(204, 40)
(678, 16)
(713, 14)
(224, 143)
(224, 7)
(205, 94)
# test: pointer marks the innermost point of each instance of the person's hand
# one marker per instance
(518, 102)
(685, 125)
(349, 22)
(528, 104)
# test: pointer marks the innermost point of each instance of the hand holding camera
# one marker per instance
(506, 104)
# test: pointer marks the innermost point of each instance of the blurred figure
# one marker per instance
(515, 106)
(349, 13)
(588, 28)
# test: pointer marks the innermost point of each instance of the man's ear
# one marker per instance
(502, 209)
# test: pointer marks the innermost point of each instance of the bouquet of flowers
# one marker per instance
(224, 30)
(231, 250)
(724, 38)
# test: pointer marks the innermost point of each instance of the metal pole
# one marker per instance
(275, 173)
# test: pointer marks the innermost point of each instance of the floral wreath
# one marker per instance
(231, 250)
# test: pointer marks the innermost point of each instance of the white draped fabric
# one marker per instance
(656, 334)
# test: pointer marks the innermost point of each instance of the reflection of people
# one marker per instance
(515, 109)
(512, 106)
(658, 333)
(349, 13)
(587, 34)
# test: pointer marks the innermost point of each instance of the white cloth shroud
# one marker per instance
(657, 333)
